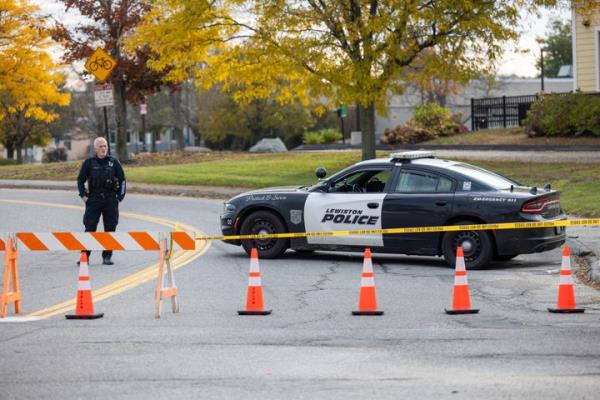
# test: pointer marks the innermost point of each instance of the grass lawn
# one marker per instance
(514, 136)
(578, 182)
(248, 170)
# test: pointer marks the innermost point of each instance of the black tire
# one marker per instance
(505, 257)
(264, 222)
(477, 247)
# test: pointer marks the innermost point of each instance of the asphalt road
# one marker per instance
(310, 347)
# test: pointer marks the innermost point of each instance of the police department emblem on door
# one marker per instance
(296, 216)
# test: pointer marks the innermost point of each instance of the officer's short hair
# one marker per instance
(98, 140)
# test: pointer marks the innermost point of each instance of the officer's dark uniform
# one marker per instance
(105, 189)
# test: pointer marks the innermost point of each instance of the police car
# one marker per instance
(408, 189)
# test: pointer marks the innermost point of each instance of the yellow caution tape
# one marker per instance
(421, 229)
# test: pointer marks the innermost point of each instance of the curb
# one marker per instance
(462, 147)
(211, 192)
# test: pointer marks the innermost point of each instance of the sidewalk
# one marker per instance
(584, 241)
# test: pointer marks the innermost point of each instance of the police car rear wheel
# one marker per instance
(264, 222)
(477, 247)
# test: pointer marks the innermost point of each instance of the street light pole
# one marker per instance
(542, 66)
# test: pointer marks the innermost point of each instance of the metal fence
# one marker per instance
(505, 111)
(500, 112)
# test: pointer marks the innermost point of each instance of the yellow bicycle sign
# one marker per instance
(100, 64)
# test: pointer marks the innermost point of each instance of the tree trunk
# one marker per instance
(121, 117)
(10, 152)
(175, 96)
(20, 136)
(19, 154)
(367, 126)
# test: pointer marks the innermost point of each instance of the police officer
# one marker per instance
(105, 189)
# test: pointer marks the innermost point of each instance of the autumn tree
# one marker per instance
(29, 81)
(558, 48)
(108, 24)
(353, 52)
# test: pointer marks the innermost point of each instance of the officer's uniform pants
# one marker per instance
(108, 207)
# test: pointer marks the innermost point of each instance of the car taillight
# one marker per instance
(541, 204)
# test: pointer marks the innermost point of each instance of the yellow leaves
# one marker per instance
(350, 52)
(28, 77)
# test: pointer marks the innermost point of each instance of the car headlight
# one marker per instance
(228, 207)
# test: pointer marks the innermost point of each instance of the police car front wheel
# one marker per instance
(477, 247)
(264, 222)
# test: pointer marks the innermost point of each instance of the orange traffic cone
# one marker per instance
(461, 301)
(566, 293)
(367, 302)
(85, 305)
(254, 298)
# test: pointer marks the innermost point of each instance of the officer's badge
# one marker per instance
(296, 216)
(110, 164)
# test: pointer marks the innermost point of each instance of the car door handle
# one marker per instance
(373, 205)
(441, 203)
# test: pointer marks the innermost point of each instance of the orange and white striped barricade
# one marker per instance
(165, 268)
(116, 241)
(10, 271)
(79, 241)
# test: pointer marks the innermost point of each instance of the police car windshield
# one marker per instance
(479, 174)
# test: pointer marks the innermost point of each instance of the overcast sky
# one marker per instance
(519, 58)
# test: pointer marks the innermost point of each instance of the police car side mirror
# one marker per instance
(321, 172)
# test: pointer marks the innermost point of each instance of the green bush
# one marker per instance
(312, 138)
(406, 135)
(429, 121)
(437, 120)
(571, 114)
(322, 136)
(7, 161)
(330, 135)
(431, 116)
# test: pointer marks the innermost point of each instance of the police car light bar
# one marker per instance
(412, 155)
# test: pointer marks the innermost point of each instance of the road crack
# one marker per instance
(315, 287)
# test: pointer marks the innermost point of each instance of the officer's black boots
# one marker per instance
(105, 261)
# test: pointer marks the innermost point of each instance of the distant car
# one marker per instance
(407, 189)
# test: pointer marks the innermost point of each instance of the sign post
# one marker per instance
(342, 113)
(101, 65)
(103, 97)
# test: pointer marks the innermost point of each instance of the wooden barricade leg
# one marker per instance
(170, 291)
(10, 270)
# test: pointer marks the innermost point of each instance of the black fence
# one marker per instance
(500, 112)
